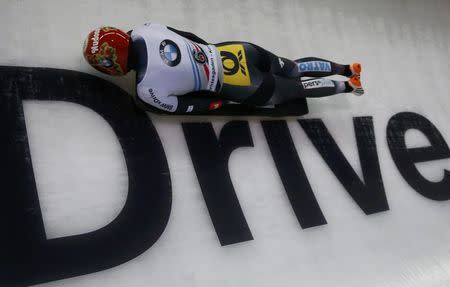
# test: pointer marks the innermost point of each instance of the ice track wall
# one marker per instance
(404, 48)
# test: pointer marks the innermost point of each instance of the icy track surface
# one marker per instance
(80, 170)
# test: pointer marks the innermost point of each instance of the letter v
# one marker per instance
(369, 195)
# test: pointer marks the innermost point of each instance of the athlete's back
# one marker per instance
(169, 66)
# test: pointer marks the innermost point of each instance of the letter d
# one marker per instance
(27, 256)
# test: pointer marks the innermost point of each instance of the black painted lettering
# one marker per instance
(28, 257)
(210, 158)
(292, 174)
(370, 194)
(406, 158)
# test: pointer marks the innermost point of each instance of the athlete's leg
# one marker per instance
(317, 67)
(271, 63)
(255, 76)
(318, 88)
(289, 89)
(305, 67)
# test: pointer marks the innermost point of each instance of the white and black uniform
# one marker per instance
(173, 71)
(178, 72)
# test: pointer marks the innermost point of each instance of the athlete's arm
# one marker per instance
(200, 101)
(189, 36)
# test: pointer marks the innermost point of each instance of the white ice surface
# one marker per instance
(405, 50)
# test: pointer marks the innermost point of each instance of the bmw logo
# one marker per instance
(170, 53)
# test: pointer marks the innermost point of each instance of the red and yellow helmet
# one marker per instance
(106, 49)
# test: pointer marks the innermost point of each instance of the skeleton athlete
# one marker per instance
(178, 72)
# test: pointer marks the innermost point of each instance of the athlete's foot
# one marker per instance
(356, 69)
(355, 84)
